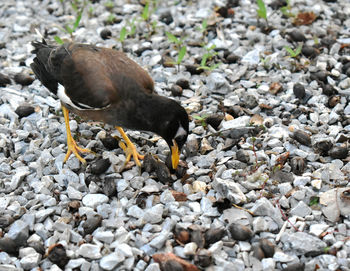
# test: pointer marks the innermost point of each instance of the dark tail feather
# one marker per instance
(40, 64)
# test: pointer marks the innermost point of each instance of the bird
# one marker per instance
(105, 85)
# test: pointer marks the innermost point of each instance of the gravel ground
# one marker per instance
(264, 178)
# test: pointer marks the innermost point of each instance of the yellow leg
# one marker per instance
(129, 148)
(71, 144)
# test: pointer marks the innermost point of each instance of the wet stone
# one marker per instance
(23, 79)
(100, 166)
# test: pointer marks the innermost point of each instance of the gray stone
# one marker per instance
(110, 261)
(301, 209)
(154, 214)
(19, 232)
(302, 243)
(90, 251)
(93, 200)
(264, 207)
(153, 267)
(229, 189)
(217, 83)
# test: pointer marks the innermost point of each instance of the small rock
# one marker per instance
(319, 76)
(328, 90)
(214, 120)
(183, 83)
(302, 243)
(214, 235)
(217, 83)
(299, 91)
(105, 34)
(333, 101)
(297, 36)
(57, 255)
(176, 90)
(8, 245)
(243, 156)
(338, 152)
(90, 251)
(110, 261)
(172, 265)
(203, 258)
(109, 187)
(23, 79)
(30, 258)
(298, 165)
(110, 143)
(93, 200)
(240, 232)
(92, 223)
(309, 51)
(19, 232)
(318, 229)
(166, 17)
(4, 80)
(162, 172)
(190, 249)
(5, 221)
(232, 58)
(301, 209)
(100, 166)
(294, 267)
(302, 137)
(267, 247)
(193, 69)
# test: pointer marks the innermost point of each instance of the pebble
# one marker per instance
(110, 261)
(100, 166)
(23, 79)
(4, 80)
(240, 232)
(90, 251)
(94, 200)
(24, 110)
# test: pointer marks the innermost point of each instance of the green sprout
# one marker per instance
(109, 5)
(209, 55)
(261, 11)
(128, 30)
(201, 119)
(179, 46)
(146, 13)
(293, 53)
(314, 201)
(286, 10)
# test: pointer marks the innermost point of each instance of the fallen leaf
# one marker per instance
(305, 18)
(265, 106)
(275, 87)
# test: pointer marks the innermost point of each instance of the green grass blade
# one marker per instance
(289, 50)
(145, 12)
(181, 54)
(58, 40)
(77, 21)
(122, 34)
(262, 9)
(172, 38)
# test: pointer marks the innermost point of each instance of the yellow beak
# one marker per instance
(175, 155)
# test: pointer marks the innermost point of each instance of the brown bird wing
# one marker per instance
(88, 72)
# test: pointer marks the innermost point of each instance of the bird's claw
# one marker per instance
(130, 150)
(75, 149)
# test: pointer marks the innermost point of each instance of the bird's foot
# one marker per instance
(130, 150)
(75, 149)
